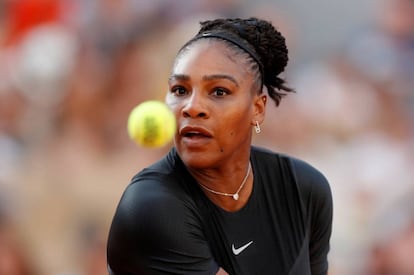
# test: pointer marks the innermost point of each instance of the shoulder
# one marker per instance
(311, 181)
(160, 180)
(308, 178)
(153, 200)
(307, 175)
(157, 223)
(154, 195)
(316, 196)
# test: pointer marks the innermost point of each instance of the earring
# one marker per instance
(257, 128)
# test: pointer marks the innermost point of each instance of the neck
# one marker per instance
(229, 190)
(228, 203)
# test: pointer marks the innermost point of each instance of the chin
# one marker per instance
(197, 160)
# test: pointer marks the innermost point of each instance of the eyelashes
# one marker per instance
(216, 91)
(179, 91)
(220, 92)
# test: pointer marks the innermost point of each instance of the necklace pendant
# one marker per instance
(236, 196)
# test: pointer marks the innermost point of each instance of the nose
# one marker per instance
(195, 107)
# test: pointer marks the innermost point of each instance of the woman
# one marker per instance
(216, 203)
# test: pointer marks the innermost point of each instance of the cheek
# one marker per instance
(233, 135)
(173, 104)
(169, 100)
(235, 126)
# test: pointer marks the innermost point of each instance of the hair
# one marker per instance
(258, 40)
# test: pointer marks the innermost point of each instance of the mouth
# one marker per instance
(195, 132)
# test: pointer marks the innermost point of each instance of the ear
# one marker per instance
(259, 108)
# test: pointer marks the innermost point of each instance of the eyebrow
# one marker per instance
(184, 77)
(181, 77)
(220, 76)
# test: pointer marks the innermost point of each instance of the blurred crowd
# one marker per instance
(72, 70)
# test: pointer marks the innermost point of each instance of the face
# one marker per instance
(212, 95)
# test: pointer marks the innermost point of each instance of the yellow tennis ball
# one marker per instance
(151, 124)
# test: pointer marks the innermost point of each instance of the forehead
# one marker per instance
(207, 56)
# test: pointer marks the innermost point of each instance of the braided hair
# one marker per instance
(263, 45)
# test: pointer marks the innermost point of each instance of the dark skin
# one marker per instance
(216, 102)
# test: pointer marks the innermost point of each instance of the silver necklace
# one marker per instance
(235, 195)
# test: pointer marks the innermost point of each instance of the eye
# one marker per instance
(179, 90)
(220, 92)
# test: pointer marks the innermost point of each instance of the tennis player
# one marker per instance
(216, 203)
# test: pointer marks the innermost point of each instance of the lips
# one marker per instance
(194, 132)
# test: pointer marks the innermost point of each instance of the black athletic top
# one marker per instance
(164, 223)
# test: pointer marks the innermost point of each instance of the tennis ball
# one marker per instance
(151, 124)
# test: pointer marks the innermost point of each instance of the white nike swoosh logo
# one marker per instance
(237, 251)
